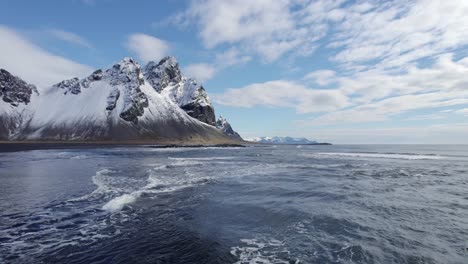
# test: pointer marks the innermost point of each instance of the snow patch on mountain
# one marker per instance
(223, 125)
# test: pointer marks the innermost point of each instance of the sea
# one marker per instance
(255, 204)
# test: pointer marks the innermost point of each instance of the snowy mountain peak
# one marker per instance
(127, 70)
(164, 73)
(122, 102)
(13, 90)
(166, 78)
(223, 125)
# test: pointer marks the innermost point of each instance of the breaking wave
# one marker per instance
(266, 251)
(157, 182)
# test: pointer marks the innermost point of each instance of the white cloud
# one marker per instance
(231, 57)
(283, 94)
(441, 133)
(35, 65)
(267, 28)
(368, 96)
(200, 71)
(463, 111)
(428, 117)
(389, 34)
(206, 71)
(321, 77)
(397, 33)
(384, 109)
(147, 48)
(69, 37)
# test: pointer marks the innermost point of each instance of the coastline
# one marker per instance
(16, 146)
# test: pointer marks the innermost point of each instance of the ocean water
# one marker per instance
(261, 204)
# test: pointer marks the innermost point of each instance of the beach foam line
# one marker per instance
(383, 155)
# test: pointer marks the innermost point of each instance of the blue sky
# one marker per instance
(338, 71)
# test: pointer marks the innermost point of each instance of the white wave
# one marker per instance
(381, 155)
(118, 203)
(101, 180)
(203, 158)
(79, 157)
(260, 251)
(183, 163)
(156, 183)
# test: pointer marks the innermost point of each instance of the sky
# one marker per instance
(357, 72)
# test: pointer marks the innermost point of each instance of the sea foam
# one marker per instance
(382, 155)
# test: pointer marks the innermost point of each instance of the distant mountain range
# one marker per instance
(285, 141)
(125, 103)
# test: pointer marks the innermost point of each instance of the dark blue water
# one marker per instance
(264, 204)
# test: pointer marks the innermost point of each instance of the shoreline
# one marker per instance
(16, 146)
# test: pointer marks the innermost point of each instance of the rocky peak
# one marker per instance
(74, 85)
(162, 74)
(126, 78)
(223, 125)
(127, 71)
(13, 90)
(192, 97)
(127, 74)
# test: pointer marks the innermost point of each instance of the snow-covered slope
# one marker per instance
(116, 104)
(282, 140)
(223, 125)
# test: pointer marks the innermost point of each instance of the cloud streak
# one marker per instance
(34, 64)
(283, 93)
(267, 28)
(369, 96)
(70, 37)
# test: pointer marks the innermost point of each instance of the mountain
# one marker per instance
(223, 125)
(125, 103)
(166, 78)
(283, 140)
(15, 94)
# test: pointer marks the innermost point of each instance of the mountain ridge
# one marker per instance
(125, 102)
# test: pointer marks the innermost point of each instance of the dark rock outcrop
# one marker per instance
(166, 78)
(193, 98)
(127, 73)
(162, 74)
(223, 125)
(204, 113)
(13, 90)
(73, 86)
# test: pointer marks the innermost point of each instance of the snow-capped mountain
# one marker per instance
(167, 79)
(121, 103)
(223, 125)
(283, 140)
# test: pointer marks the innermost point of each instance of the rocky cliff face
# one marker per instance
(167, 79)
(223, 125)
(13, 90)
(15, 94)
(120, 103)
(164, 73)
